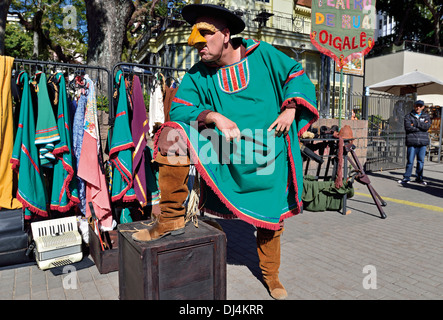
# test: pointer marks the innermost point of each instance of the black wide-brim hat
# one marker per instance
(192, 12)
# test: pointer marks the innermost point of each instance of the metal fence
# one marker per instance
(99, 75)
(386, 135)
(278, 20)
(102, 77)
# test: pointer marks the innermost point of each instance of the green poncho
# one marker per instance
(64, 193)
(258, 179)
(121, 149)
(25, 157)
(46, 131)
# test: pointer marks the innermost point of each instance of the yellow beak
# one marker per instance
(195, 37)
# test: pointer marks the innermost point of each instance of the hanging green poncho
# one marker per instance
(64, 188)
(46, 134)
(121, 149)
(25, 157)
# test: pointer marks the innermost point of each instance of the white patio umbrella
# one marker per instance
(415, 81)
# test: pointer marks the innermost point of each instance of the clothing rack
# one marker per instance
(70, 68)
(146, 73)
(98, 74)
(104, 84)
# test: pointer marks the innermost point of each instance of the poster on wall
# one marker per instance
(343, 29)
(354, 67)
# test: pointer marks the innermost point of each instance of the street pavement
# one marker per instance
(325, 255)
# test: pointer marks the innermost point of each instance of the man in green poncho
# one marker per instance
(236, 116)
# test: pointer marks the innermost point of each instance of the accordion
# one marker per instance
(57, 242)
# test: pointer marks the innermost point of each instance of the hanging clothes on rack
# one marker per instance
(139, 128)
(77, 141)
(7, 198)
(90, 169)
(46, 134)
(64, 187)
(25, 157)
(121, 148)
(156, 108)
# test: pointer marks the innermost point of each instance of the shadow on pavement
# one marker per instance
(241, 244)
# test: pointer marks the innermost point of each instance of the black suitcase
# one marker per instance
(14, 240)
(191, 266)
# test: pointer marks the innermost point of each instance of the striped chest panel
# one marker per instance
(234, 78)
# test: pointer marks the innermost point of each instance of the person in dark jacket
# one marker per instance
(417, 124)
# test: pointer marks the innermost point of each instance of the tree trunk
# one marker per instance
(107, 22)
(4, 7)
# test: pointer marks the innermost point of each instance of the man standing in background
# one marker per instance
(417, 124)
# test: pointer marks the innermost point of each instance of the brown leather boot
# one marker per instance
(173, 191)
(268, 248)
(161, 228)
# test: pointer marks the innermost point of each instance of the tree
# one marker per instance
(437, 16)
(107, 24)
(150, 17)
(45, 20)
(17, 42)
(106, 32)
(4, 7)
(413, 20)
(116, 28)
(136, 28)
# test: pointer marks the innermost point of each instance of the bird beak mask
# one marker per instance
(196, 37)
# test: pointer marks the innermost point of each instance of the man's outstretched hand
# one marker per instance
(227, 127)
(283, 122)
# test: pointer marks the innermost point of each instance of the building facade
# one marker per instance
(385, 25)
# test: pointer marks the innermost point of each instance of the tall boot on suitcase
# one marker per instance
(173, 193)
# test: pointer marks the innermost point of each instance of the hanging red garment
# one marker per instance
(139, 128)
(89, 167)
